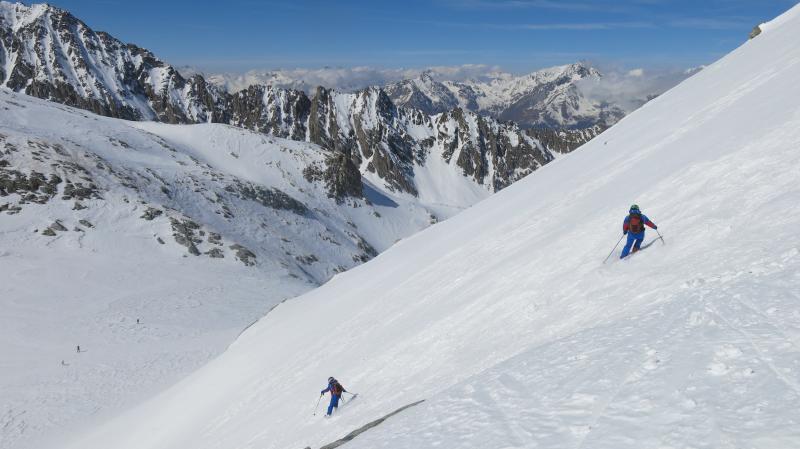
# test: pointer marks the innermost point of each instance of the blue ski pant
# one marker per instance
(334, 403)
(635, 241)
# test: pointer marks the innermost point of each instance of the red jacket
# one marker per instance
(626, 225)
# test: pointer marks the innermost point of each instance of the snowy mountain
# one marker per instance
(385, 142)
(506, 322)
(546, 98)
(202, 228)
(48, 53)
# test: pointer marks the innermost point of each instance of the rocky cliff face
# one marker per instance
(565, 140)
(48, 53)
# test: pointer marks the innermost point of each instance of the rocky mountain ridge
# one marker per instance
(547, 98)
(48, 53)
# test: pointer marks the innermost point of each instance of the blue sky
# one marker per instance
(517, 35)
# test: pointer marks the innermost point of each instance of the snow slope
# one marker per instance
(116, 254)
(506, 321)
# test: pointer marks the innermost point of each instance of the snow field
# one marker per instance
(506, 321)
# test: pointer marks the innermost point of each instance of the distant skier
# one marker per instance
(336, 389)
(633, 226)
(78, 348)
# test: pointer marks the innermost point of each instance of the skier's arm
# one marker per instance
(649, 223)
(625, 225)
(325, 390)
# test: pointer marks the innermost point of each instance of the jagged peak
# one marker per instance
(426, 76)
(579, 70)
(19, 14)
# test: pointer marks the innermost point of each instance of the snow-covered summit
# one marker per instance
(506, 322)
(49, 53)
(19, 15)
(545, 98)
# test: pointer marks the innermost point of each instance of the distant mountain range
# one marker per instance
(551, 98)
(548, 98)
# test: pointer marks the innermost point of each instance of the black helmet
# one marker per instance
(634, 208)
(331, 379)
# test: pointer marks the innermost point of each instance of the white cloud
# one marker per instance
(632, 88)
(636, 73)
(345, 79)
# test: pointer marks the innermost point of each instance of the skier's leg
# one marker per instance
(334, 404)
(638, 243)
(627, 248)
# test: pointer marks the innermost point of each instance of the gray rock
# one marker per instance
(80, 191)
(86, 223)
(342, 177)
(243, 254)
(307, 260)
(215, 253)
(57, 226)
(184, 234)
(565, 140)
(151, 213)
(266, 196)
(755, 32)
(214, 238)
(352, 435)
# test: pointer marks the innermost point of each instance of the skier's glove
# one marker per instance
(655, 227)
(624, 232)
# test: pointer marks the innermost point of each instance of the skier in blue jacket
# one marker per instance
(336, 389)
(633, 226)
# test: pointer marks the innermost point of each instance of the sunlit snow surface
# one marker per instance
(88, 286)
(506, 321)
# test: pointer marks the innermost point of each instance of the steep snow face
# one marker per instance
(546, 98)
(506, 321)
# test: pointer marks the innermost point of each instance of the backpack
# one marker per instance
(337, 388)
(635, 223)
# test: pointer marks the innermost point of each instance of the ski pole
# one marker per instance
(661, 237)
(613, 249)
(317, 406)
